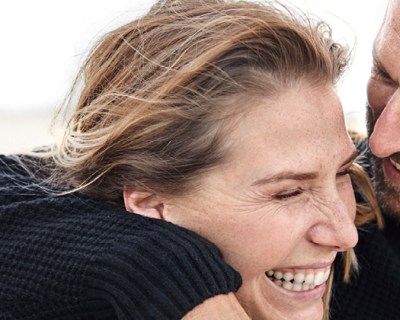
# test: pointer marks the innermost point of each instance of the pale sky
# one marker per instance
(44, 41)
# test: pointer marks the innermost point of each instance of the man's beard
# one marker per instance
(387, 194)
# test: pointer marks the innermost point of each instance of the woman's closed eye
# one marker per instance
(297, 192)
(288, 194)
(344, 172)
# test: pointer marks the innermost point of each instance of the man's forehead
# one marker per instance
(391, 21)
(386, 46)
(387, 41)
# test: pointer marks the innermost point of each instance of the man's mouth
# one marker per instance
(394, 162)
(391, 170)
(299, 280)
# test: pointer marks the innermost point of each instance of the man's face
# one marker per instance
(384, 111)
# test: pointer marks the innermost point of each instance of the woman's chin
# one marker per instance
(263, 299)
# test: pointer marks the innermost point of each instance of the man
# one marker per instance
(374, 293)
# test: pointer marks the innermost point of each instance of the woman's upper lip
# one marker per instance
(314, 265)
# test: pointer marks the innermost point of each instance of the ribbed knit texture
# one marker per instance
(72, 257)
(373, 293)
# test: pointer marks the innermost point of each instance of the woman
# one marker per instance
(219, 117)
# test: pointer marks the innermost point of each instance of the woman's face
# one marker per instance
(281, 205)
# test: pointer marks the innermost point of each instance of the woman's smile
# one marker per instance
(299, 280)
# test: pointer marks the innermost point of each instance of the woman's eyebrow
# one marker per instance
(286, 175)
(291, 175)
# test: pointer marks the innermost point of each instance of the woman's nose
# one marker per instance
(336, 228)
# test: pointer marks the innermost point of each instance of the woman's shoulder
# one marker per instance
(10, 166)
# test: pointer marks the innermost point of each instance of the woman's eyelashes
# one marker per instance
(344, 172)
(288, 194)
(298, 191)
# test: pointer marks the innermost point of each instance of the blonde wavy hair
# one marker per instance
(156, 94)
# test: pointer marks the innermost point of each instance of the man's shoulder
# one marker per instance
(377, 281)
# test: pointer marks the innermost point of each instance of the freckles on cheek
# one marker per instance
(254, 242)
(282, 233)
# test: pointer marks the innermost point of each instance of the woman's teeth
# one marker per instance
(299, 281)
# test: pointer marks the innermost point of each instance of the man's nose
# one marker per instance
(385, 138)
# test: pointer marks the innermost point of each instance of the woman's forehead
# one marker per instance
(301, 124)
(299, 110)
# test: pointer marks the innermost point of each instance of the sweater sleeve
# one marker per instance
(161, 271)
(97, 256)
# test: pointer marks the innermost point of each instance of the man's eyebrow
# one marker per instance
(299, 176)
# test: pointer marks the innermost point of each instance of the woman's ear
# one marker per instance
(144, 203)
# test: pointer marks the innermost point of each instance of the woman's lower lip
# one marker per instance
(390, 171)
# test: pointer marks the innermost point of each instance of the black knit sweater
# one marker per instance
(373, 293)
(73, 257)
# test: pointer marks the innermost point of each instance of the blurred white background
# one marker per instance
(44, 42)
